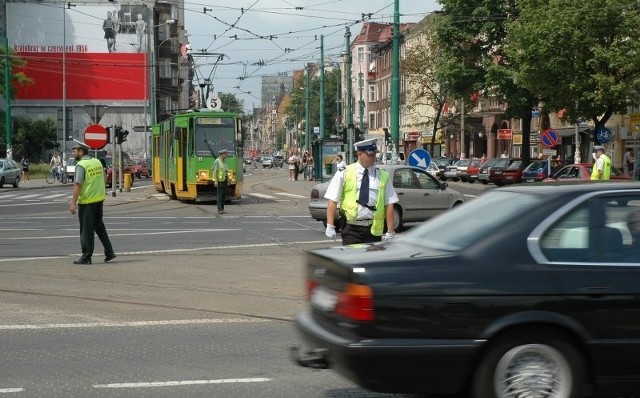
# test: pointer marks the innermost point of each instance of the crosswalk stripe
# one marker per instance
(8, 196)
(33, 195)
(54, 196)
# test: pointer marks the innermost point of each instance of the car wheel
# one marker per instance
(455, 179)
(397, 218)
(484, 182)
(16, 183)
(1, 182)
(536, 364)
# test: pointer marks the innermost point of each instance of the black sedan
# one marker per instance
(527, 291)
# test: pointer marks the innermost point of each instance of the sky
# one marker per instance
(253, 38)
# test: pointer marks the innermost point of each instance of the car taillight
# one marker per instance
(311, 284)
(356, 302)
(315, 194)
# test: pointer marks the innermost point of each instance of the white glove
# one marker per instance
(388, 236)
(330, 232)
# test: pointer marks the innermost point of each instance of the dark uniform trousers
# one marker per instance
(358, 234)
(91, 221)
(221, 194)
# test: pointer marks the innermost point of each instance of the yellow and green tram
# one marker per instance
(184, 148)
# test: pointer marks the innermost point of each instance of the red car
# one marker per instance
(472, 172)
(582, 172)
(507, 174)
(140, 168)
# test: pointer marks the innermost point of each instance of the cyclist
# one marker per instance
(56, 164)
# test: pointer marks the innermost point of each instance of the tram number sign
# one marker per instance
(214, 103)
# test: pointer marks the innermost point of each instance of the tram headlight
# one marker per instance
(203, 175)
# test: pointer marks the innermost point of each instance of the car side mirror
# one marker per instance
(443, 185)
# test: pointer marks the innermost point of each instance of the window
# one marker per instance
(361, 54)
(372, 121)
(604, 229)
(372, 93)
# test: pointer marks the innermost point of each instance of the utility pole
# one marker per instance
(395, 79)
(361, 101)
(7, 81)
(307, 96)
(347, 80)
(321, 107)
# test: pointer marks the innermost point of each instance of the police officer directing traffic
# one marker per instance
(366, 195)
(89, 194)
(602, 167)
(220, 170)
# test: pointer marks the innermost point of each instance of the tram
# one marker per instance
(184, 148)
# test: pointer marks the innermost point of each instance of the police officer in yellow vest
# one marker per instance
(220, 169)
(602, 167)
(366, 195)
(89, 194)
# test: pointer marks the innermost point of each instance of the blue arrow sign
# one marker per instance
(419, 158)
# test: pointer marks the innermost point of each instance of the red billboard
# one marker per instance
(104, 48)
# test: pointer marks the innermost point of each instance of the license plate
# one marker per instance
(324, 298)
(529, 180)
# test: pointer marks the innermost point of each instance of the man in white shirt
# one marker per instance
(366, 196)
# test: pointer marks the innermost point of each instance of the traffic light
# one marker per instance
(387, 136)
(108, 134)
(359, 134)
(345, 136)
(121, 135)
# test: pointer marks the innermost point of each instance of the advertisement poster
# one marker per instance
(103, 47)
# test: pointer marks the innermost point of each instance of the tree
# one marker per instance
(18, 78)
(32, 137)
(426, 99)
(230, 103)
(471, 37)
(578, 55)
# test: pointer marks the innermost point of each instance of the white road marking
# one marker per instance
(171, 322)
(292, 195)
(261, 195)
(184, 231)
(181, 383)
(8, 196)
(56, 195)
(9, 390)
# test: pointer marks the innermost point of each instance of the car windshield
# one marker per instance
(437, 233)
(537, 165)
(502, 163)
(515, 165)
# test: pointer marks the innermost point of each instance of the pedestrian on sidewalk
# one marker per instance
(89, 194)
(25, 168)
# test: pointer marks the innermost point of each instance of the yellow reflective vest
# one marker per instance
(92, 189)
(350, 198)
(606, 169)
(221, 167)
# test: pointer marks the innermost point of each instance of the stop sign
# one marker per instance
(96, 136)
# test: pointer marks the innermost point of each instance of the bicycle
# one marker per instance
(55, 175)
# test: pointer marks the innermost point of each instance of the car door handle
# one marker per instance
(400, 193)
(427, 194)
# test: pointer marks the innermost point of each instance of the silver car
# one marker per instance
(421, 196)
(10, 172)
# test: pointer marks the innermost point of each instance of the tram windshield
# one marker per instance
(214, 134)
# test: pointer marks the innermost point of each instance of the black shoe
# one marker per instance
(109, 258)
(82, 261)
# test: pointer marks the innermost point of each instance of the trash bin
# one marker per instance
(128, 178)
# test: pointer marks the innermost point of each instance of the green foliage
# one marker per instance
(296, 109)
(31, 138)
(17, 78)
(580, 55)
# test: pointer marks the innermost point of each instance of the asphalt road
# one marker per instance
(196, 303)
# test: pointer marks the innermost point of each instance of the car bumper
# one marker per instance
(406, 366)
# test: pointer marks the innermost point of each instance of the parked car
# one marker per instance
(537, 300)
(126, 169)
(513, 173)
(582, 172)
(267, 161)
(538, 169)
(278, 161)
(453, 172)
(485, 169)
(421, 195)
(141, 168)
(496, 173)
(433, 169)
(70, 169)
(471, 172)
(10, 172)
(442, 164)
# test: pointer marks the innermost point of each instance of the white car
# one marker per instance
(433, 169)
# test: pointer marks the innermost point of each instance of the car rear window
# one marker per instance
(437, 233)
